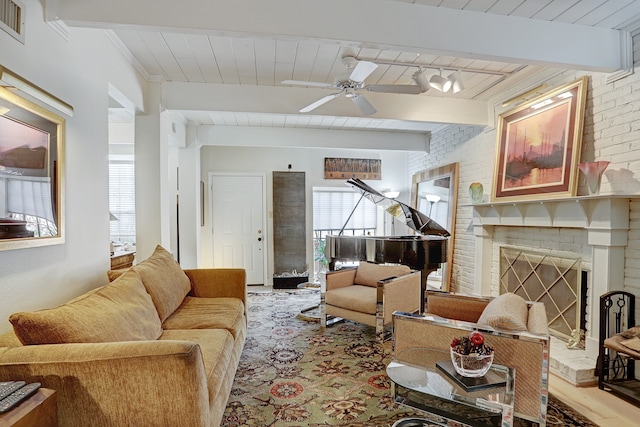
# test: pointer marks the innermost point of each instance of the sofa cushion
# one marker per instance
(120, 311)
(217, 347)
(369, 274)
(508, 311)
(359, 298)
(164, 280)
(208, 313)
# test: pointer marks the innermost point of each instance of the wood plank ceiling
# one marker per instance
(220, 57)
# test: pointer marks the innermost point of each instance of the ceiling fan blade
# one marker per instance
(362, 70)
(364, 105)
(303, 83)
(409, 89)
(319, 102)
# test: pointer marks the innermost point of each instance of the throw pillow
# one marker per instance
(120, 311)
(369, 273)
(508, 311)
(537, 319)
(164, 280)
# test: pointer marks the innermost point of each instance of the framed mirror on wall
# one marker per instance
(434, 192)
(31, 173)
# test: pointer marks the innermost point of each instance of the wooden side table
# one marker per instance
(122, 260)
(39, 410)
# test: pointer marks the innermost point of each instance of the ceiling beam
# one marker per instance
(289, 100)
(380, 24)
(242, 136)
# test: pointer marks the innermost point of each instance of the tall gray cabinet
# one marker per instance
(289, 228)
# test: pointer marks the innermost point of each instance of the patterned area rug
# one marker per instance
(292, 374)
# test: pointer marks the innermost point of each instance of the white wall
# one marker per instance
(264, 160)
(42, 277)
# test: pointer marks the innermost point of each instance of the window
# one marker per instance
(29, 199)
(122, 199)
(331, 209)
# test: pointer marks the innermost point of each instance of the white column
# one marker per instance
(484, 255)
(607, 236)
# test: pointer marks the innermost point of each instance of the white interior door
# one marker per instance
(237, 211)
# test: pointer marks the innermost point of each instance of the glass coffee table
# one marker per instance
(421, 381)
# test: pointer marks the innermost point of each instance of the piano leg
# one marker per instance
(423, 287)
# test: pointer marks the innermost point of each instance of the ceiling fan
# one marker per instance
(354, 81)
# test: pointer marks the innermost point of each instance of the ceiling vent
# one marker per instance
(12, 18)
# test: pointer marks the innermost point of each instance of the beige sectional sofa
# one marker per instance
(158, 346)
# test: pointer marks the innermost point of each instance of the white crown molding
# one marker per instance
(60, 27)
(626, 56)
(132, 59)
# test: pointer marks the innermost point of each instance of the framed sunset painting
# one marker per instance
(538, 146)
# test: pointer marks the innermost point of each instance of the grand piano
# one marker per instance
(424, 250)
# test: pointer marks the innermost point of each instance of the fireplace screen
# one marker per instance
(554, 281)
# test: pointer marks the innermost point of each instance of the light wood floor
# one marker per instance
(601, 407)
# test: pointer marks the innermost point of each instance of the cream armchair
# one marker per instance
(526, 349)
(370, 294)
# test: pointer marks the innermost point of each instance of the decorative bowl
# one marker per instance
(471, 365)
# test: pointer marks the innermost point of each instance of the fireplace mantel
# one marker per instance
(608, 212)
(605, 219)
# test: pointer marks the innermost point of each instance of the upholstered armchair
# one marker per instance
(369, 294)
(515, 328)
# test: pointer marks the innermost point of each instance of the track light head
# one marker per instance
(440, 83)
(456, 81)
(420, 79)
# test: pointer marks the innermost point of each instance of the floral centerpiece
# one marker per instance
(470, 356)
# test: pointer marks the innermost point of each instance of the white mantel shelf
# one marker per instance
(590, 212)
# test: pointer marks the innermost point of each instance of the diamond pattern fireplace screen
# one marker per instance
(554, 281)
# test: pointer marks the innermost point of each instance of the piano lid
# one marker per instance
(414, 219)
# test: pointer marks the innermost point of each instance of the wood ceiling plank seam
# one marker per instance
(286, 54)
(479, 5)
(223, 50)
(581, 11)
(623, 17)
(327, 55)
(529, 8)
(191, 70)
(244, 53)
(554, 9)
(141, 52)
(453, 4)
(160, 50)
(242, 119)
(203, 52)
(605, 17)
(306, 55)
(505, 7)
(265, 52)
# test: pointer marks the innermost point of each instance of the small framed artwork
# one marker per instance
(538, 146)
(339, 168)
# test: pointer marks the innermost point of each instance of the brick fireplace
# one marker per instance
(593, 229)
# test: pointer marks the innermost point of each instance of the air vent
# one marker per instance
(12, 18)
